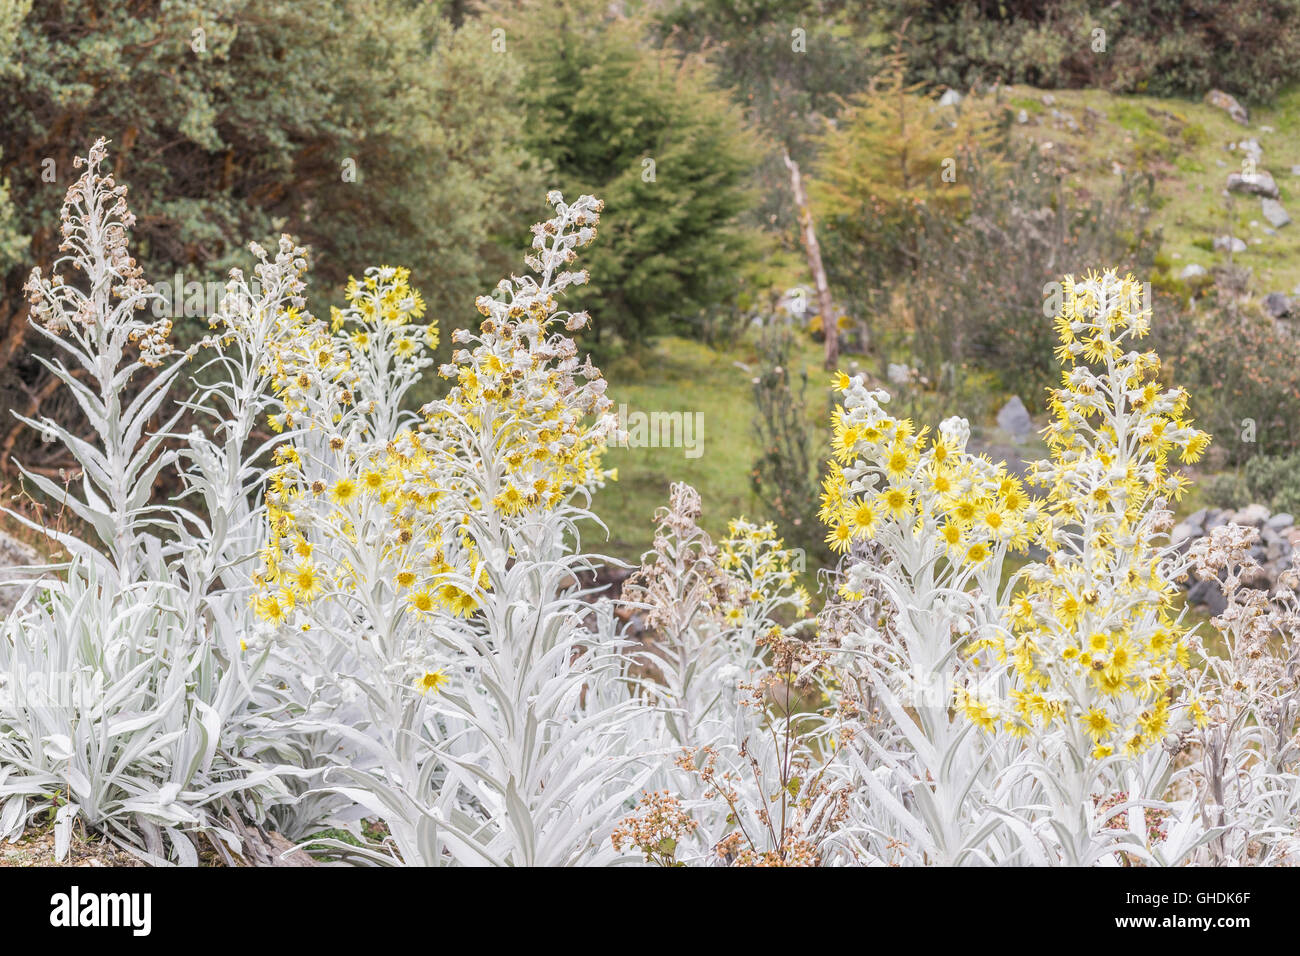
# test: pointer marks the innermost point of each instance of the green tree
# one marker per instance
(12, 241)
(894, 158)
(650, 133)
(788, 63)
(371, 129)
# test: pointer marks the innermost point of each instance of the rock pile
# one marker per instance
(1278, 539)
(1256, 182)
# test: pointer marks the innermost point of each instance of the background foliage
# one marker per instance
(602, 106)
(1164, 47)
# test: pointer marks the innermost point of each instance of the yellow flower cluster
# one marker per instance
(339, 515)
(892, 483)
(525, 424)
(1092, 640)
(367, 491)
(764, 573)
(311, 374)
(370, 351)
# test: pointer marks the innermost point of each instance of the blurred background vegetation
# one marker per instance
(958, 156)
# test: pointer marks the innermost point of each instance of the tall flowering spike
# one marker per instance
(96, 321)
(102, 317)
(765, 573)
(680, 580)
(1094, 642)
(913, 493)
(525, 423)
(333, 505)
(522, 428)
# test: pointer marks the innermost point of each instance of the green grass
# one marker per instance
(1181, 142)
(681, 375)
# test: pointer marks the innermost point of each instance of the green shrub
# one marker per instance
(1160, 47)
(971, 284)
(1275, 481)
(372, 132)
(1194, 134)
(654, 135)
(1225, 490)
(1241, 369)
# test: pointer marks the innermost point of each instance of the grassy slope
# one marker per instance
(681, 375)
(1182, 142)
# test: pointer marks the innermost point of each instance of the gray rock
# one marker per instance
(1217, 519)
(950, 98)
(1197, 518)
(1227, 102)
(1280, 521)
(1014, 419)
(1192, 271)
(1215, 602)
(998, 450)
(1182, 533)
(1209, 594)
(1259, 183)
(1278, 304)
(1253, 516)
(1274, 213)
(1022, 117)
(1229, 244)
(1048, 99)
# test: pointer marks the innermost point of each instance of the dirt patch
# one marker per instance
(36, 848)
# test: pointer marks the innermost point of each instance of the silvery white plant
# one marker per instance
(725, 662)
(929, 786)
(427, 580)
(116, 710)
(127, 681)
(946, 645)
(693, 656)
(397, 617)
(94, 324)
(1248, 777)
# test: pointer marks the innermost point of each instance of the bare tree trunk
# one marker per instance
(809, 236)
